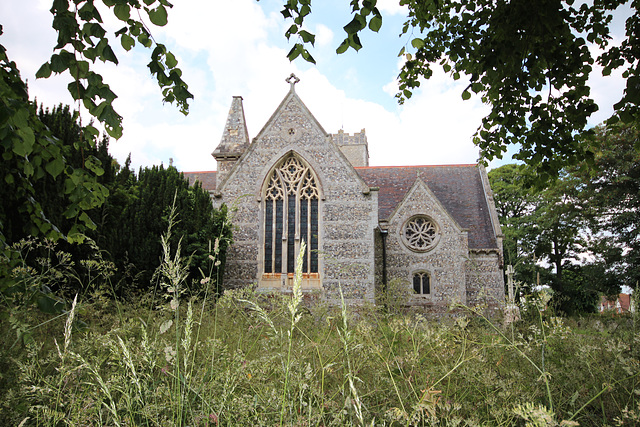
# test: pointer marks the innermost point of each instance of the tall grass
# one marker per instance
(251, 358)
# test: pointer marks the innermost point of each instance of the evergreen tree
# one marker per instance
(137, 214)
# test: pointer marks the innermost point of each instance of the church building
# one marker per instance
(433, 229)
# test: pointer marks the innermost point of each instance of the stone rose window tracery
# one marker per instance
(420, 233)
(291, 216)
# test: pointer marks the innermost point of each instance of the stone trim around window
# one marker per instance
(420, 233)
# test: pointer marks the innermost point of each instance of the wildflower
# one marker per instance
(214, 418)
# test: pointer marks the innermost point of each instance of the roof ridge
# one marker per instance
(418, 166)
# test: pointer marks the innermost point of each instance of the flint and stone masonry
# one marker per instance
(433, 229)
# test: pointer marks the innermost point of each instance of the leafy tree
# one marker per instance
(546, 233)
(28, 150)
(33, 157)
(613, 188)
(34, 160)
(581, 289)
(82, 40)
(529, 60)
(514, 202)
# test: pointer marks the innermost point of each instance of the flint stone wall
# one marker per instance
(485, 282)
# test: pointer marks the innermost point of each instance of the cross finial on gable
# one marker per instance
(292, 80)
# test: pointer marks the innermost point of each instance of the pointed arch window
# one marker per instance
(290, 216)
(422, 283)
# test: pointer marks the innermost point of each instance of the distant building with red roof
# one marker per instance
(622, 304)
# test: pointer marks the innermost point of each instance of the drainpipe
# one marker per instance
(383, 235)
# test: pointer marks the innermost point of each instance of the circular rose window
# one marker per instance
(420, 233)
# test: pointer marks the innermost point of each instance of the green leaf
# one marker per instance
(77, 90)
(466, 95)
(417, 43)
(170, 60)
(343, 47)
(294, 52)
(24, 145)
(60, 62)
(354, 42)
(307, 37)
(375, 24)
(307, 56)
(158, 16)
(356, 24)
(293, 29)
(44, 72)
(94, 165)
(21, 118)
(55, 167)
(108, 55)
(127, 42)
(122, 11)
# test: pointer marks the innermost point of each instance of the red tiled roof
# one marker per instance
(207, 179)
(623, 299)
(457, 187)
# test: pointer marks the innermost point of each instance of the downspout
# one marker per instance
(383, 235)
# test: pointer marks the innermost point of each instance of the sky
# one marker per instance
(229, 48)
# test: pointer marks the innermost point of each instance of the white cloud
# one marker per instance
(324, 36)
(392, 7)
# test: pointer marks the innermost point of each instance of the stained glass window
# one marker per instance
(291, 216)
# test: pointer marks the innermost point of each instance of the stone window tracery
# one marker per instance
(420, 233)
(291, 216)
(422, 283)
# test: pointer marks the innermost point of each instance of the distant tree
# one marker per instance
(32, 158)
(547, 233)
(581, 289)
(80, 154)
(514, 202)
(613, 189)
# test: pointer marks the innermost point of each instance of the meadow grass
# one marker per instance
(251, 358)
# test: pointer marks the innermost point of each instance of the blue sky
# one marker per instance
(228, 48)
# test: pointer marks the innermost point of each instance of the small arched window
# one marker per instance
(290, 216)
(422, 283)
